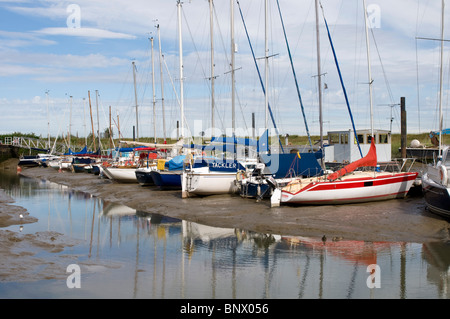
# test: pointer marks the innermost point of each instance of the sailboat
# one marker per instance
(123, 167)
(436, 181)
(213, 175)
(436, 185)
(260, 182)
(348, 185)
(168, 174)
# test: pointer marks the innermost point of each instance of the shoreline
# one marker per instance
(28, 257)
(397, 220)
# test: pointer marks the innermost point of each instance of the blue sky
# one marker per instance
(44, 50)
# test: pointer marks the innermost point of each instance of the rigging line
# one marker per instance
(242, 111)
(174, 90)
(340, 77)
(239, 102)
(259, 74)
(295, 76)
(197, 63)
(195, 46)
(382, 67)
(221, 117)
(417, 84)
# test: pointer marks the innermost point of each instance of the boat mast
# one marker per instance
(441, 79)
(110, 129)
(48, 122)
(92, 120)
(233, 119)
(180, 47)
(84, 118)
(162, 83)
(135, 99)
(319, 75)
(98, 121)
(211, 25)
(266, 76)
(369, 67)
(154, 96)
(70, 120)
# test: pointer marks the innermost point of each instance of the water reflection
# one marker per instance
(130, 254)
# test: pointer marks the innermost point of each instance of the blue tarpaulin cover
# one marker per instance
(175, 163)
(284, 165)
(83, 151)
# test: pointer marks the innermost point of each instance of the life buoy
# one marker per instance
(443, 174)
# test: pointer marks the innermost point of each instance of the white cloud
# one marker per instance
(106, 62)
(85, 32)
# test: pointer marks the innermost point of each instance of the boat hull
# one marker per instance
(437, 196)
(119, 174)
(260, 188)
(144, 176)
(167, 179)
(355, 189)
(255, 189)
(29, 161)
(204, 184)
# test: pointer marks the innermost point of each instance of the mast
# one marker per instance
(340, 78)
(118, 125)
(319, 75)
(162, 82)
(135, 99)
(110, 128)
(233, 116)
(441, 79)
(266, 75)
(368, 67)
(211, 24)
(180, 47)
(92, 120)
(154, 96)
(48, 121)
(84, 118)
(98, 120)
(70, 120)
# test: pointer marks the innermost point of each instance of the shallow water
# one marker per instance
(124, 253)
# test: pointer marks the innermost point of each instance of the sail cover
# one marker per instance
(369, 160)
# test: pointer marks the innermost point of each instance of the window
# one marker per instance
(360, 139)
(383, 139)
(333, 138)
(344, 138)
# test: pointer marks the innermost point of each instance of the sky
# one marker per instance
(61, 61)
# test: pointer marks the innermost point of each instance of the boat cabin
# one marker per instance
(342, 146)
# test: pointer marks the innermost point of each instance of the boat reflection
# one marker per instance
(148, 255)
(182, 259)
(438, 266)
(215, 262)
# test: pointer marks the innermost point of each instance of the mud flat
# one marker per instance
(402, 220)
(19, 252)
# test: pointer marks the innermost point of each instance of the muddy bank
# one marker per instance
(11, 214)
(28, 257)
(405, 220)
